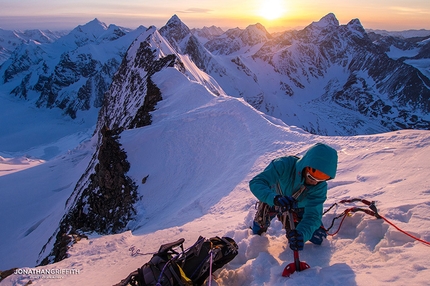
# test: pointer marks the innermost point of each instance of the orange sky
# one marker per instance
(275, 15)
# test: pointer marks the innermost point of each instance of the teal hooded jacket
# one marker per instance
(283, 176)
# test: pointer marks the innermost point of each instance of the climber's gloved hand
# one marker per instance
(285, 202)
(295, 238)
(318, 236)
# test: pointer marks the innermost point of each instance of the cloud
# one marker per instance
(195, 10)
(408, 10)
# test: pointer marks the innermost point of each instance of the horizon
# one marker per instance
(274, 15)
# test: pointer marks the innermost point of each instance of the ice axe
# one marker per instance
(297, 265)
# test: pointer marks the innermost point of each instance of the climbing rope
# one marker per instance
(373, 211)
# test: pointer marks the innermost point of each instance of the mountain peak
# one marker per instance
(175, 31)
(256, 33)
(174, 20)
(325, 24)
(257, 26)
(328, 20)
(94, 27)
(355, 24)
(176, 23)
(95, 23)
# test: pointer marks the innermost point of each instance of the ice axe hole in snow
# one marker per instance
(144, 179)
(136, 251)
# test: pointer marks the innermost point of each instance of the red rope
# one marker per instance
(374, 213)
(402, 231)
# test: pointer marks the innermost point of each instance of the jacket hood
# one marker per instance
(321, 157)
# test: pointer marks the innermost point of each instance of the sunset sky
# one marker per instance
(275, 15)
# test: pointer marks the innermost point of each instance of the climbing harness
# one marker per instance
(266, 213)
(373, 211)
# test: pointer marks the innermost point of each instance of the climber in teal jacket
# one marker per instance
(283, 180)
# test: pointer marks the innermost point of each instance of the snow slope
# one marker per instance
(199, 159)
(39, 133)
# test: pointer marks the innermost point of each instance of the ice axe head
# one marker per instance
(297, 265)
(291, 268)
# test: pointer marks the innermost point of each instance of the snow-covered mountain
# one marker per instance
(207, 33)
(10, 40)
(237, 41)
(132, 96)
(334, 69)
(359, 82)
(414, 51)
(407, 34)
(71, 73)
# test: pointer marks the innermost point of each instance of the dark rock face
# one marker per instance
(143, 116)
(133, 78)
(105, 206)
(103, 202)
(96, 78)
(66, 73)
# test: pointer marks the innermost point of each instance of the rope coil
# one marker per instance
(373, 211)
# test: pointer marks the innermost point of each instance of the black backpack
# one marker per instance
(190, 267)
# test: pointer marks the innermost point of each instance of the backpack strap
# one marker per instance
(169, 246)
(131, 279)
(169, 265)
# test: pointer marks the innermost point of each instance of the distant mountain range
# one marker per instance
(328, 79)
(71, 72)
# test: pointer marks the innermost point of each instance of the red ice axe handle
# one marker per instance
(297, 265)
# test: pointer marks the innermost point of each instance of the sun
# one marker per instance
(272, 9)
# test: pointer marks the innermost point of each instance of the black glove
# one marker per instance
(295, 239)
(319, 234)
(285, 202)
